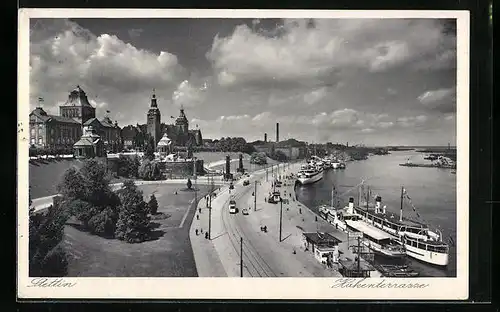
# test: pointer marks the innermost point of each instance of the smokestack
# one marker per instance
(378, 200)
(265, 137)
(277, 132)
(351, 205)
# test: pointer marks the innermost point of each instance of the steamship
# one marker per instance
(309, 174)
(419, 240)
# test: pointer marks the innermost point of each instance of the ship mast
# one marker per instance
(367, 197)
(331, 203)
(401, 208)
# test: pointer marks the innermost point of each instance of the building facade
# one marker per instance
(110, 133)
(90, 144)
(53, 132)
(77, 107)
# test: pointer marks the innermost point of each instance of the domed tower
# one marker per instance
(182, 123)
(154, 120)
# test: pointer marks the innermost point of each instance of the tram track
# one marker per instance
(255, 265)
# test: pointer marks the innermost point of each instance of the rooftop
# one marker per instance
(368, 230)
(322, 239)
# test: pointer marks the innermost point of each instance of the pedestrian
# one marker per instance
(199, 210)
(196, 232)
(197, 217)
(201, 231)
(300, 210)
(206, 235)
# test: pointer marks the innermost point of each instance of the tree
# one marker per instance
(47, 257)
(96, 183)
(150, 148)
(189, 184)
(153, 205)
(149, 170)
(133, 220)
(72, 185)
(87, 196)
(128, 166)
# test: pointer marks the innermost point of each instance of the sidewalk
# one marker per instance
(208, 263)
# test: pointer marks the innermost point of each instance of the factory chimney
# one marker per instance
(277, 132)
(265, 137)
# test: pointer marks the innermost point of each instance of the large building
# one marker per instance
(108, 131)
(54, 132)
(76, 114)
(178, 133)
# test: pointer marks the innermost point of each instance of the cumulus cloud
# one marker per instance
(412, 121)
(63, 55)
(313, 51)
(443, 100)
(188, 95)
(315, 95)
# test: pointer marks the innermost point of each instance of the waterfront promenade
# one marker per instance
(264, 255)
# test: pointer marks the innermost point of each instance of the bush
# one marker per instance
(128, 166)
(150, 149)
(104, 222)
(153, 205)
(150, 170)
(46, 256)
(258, 158)
(87, 196)
(72, 185)
(82, 210)
(133, 220)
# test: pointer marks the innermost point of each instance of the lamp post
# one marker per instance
(255, 197)
(281, 217)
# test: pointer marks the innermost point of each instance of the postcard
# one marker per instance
(243, 154)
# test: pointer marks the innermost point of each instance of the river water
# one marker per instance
(432, 191)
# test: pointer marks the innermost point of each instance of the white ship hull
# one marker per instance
(431, 257)
(312, 179)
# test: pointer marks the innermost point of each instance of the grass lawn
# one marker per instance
(168, 255)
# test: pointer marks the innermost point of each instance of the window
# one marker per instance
(40, 141)
(33, 141)
(33, 132)
(40, 131)
(52, 131)
(58, 140)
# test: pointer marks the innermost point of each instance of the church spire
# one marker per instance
(153, 99)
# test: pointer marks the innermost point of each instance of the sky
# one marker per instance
(362, 81)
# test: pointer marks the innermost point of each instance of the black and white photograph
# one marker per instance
(326, 148)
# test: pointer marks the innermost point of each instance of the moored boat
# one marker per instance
(418, 239)
(309, 175)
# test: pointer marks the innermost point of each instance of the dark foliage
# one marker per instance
(128, 167)
(133, 220)
(153, 205)
(150, 170)
(47, 257)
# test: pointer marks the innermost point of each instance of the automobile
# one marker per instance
(246, 182)
(232, 206)
(244, 211)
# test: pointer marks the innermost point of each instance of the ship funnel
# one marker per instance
(351, 204)
(378, 200)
